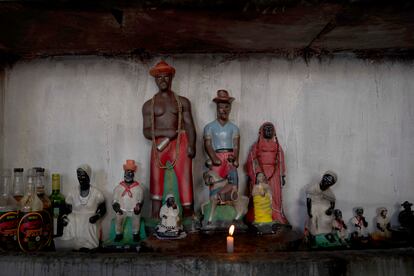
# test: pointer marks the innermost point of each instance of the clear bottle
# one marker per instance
(46, 212)
(58, 205)
(9, 218)
(7, 201)
(30, 229)
(18, 184)
(30, 202)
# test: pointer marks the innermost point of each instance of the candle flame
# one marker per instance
(231, 230)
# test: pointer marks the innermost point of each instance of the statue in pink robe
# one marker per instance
(266, 156)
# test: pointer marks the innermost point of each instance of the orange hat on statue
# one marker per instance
(162, 67)
(130, 166)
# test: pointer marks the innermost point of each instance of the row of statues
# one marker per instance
(326, 228)
(169, 125)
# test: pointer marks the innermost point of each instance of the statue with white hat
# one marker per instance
(170, 226)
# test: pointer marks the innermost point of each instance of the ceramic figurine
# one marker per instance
(360, 224)
(222, 144)
(226, 206)
(170, 226)
(262, 200)
(128, 201)
(383, 226)
(338, 225)
(168, 123)
(266, 156)
(222, 137)
(320, 204)
(406, 216)
(87, 205)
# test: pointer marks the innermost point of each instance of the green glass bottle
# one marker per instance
(58, 206)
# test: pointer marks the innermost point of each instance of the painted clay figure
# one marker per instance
(223, 193)
(266, 156)
(262, 200)
(170, 226)
(87, 205)
(222, 137)
(339, 226)
(383, 225)
(406, 216)
(127, 202)
(360, 225)
(168, 123)
(320, 204)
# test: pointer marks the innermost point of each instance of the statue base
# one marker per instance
(325, 241)
(223, 218)
(127, 243)
(171, 236)
(190, 224)
(270, 228)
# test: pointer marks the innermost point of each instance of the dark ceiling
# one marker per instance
(44, 28)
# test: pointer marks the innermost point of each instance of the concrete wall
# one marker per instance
(347, 115)
(2, 94)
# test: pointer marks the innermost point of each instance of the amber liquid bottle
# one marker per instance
(47, 231)
(18, 184)
(30, 226)
(58, 206)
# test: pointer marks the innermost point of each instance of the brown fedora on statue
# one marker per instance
(223, 97)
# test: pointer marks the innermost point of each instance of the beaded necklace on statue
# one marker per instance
(84, 200)
(154, 144)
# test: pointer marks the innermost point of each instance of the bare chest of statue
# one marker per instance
(165, 112)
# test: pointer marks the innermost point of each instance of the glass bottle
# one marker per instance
(46, 212)
(9, 218)
(30, 229)
(58, 205)
(18, 184)
(30, 202)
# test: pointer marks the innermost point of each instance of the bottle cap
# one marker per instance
(55, 181)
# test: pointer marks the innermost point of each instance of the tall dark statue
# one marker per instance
(168, 123)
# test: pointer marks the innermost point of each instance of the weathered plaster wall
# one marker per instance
(2, 94)
(347, 115)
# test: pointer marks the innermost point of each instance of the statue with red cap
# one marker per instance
(168, 123)
(127, 202)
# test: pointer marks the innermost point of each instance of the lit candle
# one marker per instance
(230, 240)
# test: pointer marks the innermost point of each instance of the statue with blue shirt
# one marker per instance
(222, 143)
(222, 137)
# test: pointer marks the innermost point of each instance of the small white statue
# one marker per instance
(87, 204)
(383, 225)
(128, 201)
(170, 226)
(360, 224)
(320, 202)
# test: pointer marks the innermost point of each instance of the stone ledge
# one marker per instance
(348, 262)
